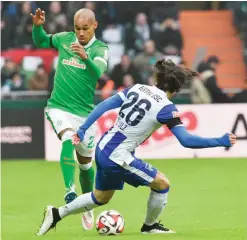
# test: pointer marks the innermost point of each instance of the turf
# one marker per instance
(207, 201)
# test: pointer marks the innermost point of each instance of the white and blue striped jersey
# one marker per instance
(144, 109)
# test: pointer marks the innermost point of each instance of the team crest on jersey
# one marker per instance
(74, 62)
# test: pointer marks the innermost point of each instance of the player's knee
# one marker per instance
(84, 161)
(103, 197)
(160, 182)
(163, 183)
(66, 134)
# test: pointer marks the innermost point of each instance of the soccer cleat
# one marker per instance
(70, 196)
(87, 220)
(50, 220)
(156, 228)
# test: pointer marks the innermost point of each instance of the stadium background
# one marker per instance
(210, 37)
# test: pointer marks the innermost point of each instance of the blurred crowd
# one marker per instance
(141, 35)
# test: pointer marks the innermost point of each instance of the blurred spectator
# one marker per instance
(213, 62)
(199, 93)
(138, 34)
(7, 70)
(124, 67)
(112, 34)
(51, 80)
(163, 10)
(24, 39)
(128, 81)
(207, 76)
(151, 81)
(56, 20)
(7, 30)
(14, 83)
(106, 85)
(39, 81)
(168, 37)
(239, 9)
(144, 61)
(24, 28)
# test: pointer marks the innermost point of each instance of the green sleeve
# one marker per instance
(97, 68)
(57, 39)
(43, 40)
(40, 38)
(99, 61)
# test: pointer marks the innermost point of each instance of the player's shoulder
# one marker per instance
(99, 43)
(64, 34)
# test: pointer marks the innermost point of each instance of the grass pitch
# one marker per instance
(207, 200)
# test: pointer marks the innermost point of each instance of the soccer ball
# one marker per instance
(110, 222)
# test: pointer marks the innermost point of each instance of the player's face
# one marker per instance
(84, 29)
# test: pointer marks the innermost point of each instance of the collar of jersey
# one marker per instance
(89, 43)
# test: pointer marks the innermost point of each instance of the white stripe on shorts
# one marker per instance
(107, 138)
(138, 172)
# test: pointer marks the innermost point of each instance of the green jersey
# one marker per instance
(75, 79)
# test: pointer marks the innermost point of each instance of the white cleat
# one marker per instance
(87, 220)
(51, 218)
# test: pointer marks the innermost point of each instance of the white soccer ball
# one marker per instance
(110, 222)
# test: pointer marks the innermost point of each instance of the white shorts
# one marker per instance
(61, 120)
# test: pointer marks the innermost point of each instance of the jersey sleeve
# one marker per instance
(123, 93)
(101, 55)
(56, 39)
(169, 115)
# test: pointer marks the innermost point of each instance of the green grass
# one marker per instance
(208, 200)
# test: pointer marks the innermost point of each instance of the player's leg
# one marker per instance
(67, 163)
(105, 188)
(86, 202)
(82, 203)
(86, 179)
(84, 153)
(156, 202)
(86, 173)
(63, 128)
(140, 173)
(106, 183)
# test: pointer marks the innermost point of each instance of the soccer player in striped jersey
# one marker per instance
(143, 109)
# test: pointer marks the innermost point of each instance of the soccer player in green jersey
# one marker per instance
(82, 60)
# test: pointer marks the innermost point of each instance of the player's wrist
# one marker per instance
(84, 56)
(225, 140)
(81, 133)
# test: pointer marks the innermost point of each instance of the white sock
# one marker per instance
(85, 166)
(156, 203)
(83, 203)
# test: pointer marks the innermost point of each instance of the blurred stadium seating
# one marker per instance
(210, 27)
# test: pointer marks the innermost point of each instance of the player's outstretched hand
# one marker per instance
(232, 138)
(75, 139)
(38, 18)
(228, 140)
(78, 49)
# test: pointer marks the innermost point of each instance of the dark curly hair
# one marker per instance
(171, 77)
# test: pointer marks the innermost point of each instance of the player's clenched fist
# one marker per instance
(232, 138)
(39, 17)
(78, 49)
